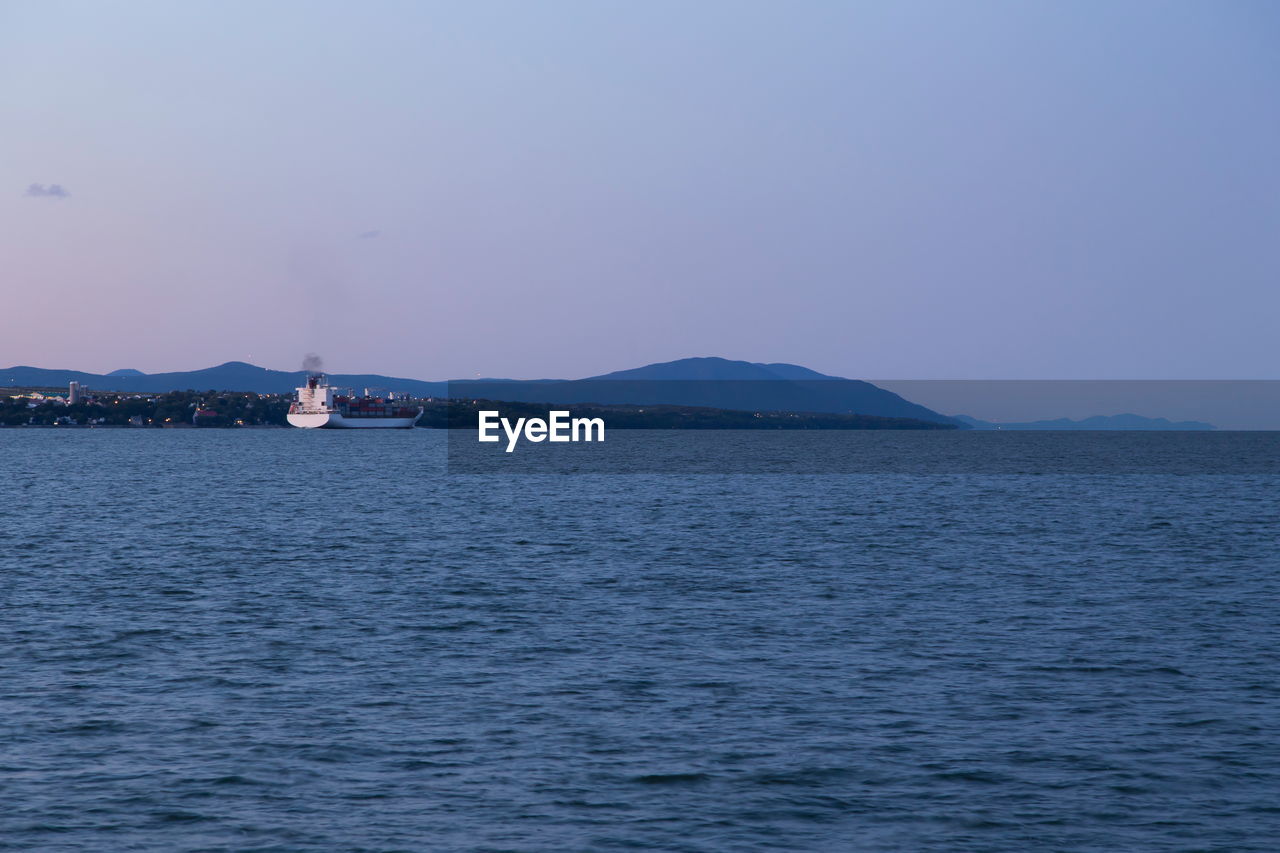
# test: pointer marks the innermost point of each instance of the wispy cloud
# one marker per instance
(369, 235)
(50, 191)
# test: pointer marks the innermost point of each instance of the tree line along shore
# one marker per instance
(45, 407)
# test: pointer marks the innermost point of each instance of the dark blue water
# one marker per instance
(280, 640)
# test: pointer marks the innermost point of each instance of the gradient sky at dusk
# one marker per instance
(526, 189)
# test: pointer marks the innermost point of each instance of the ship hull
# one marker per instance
(335, 420)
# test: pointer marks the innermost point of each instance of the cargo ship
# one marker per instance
(320, 406)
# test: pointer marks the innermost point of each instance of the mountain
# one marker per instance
(712, 382)
(708, 382)
(713, 370)
(1097, 422)
(231, 376)
(126, 371)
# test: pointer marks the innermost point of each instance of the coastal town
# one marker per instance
(81, 407)
(78, 406)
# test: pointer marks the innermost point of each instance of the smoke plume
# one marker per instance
(312, 363)
(51, 191)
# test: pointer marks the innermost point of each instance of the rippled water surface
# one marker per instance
(280, 640)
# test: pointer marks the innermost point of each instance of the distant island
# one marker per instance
(1098, 422)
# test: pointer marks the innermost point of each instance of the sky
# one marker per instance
(914, 190)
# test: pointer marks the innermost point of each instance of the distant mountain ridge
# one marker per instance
(712, 382)
(230, 376)
(1097, 422)
(712, 369)
(708, 382)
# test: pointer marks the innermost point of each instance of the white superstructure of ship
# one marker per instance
(319, 405)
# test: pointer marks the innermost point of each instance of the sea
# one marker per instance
(288, 640)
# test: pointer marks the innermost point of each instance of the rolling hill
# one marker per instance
(709, 382)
